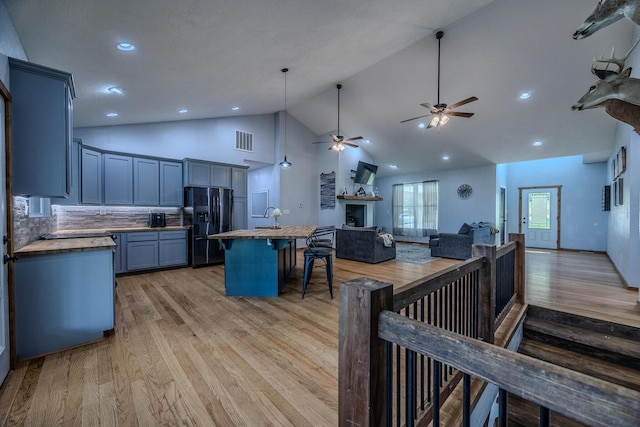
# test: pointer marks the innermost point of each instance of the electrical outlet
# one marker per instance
(103, 211)
(285, 212)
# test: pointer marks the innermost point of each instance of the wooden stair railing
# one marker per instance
(461, 299)
(581, 397)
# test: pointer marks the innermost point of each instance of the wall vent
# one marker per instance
(244, 141)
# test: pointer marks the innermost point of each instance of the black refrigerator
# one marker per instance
(209, 210)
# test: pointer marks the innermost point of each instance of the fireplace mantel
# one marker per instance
(361, 198)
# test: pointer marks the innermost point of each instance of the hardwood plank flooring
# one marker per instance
(185, 354)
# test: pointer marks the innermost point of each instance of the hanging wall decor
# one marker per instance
(327, 190)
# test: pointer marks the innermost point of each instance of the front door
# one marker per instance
(5, 346)
(540, 217)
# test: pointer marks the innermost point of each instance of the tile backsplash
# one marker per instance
(26, 230)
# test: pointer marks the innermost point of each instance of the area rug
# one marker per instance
(413, 253)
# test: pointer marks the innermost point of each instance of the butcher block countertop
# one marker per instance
(285, 232)
(48, 247)
(120, 230)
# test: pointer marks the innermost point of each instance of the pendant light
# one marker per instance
(285, 164)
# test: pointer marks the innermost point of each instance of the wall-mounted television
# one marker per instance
(366, 173)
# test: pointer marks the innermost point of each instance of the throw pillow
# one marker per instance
(465, 229)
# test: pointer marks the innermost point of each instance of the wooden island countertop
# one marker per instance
(285, 232)
(47, 247)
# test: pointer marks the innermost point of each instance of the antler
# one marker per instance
(619, 62)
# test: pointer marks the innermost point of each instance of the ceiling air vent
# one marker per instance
(244, 141)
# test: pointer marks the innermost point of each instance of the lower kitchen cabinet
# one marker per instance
(149, 250)
(119, 256)
(142, 251)
(62, 300)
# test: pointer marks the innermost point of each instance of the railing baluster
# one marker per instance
(436, 393)
(411, 390)
(422, 360)
(398, 387)
(503, 401)
(544, 417)
(466, 401)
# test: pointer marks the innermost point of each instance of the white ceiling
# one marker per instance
(208, 56)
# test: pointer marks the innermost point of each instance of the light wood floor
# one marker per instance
(184, 354)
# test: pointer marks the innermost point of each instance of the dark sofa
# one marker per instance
(363, 244)
(458, 245)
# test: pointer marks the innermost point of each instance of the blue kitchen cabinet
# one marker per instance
(142, 251)
(41, 126)
(172, 248)
(118, 179)
(90, 176)
(220, 176)
(120, 253)
(197, 173)
(239, 181)
(74, 196)
(146, 182)
(171, 188)
(62, 300)
(240, 209)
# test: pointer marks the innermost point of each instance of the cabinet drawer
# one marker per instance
(168, 235)
(142, 236)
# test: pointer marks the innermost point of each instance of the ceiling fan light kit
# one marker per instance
(285, 164)
(339, 141)
(442, 112)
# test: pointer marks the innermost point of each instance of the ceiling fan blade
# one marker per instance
(321, 142)
(353, 138)
(459, 114)
(463, 102)
(419, 117)
(430, 107)
(349, 144)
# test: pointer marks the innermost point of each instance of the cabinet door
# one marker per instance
(239, 213)
(197, 173)
(91, 176)
(220, 176)
(173, 252)
(41, 132)
(239, 182)
(171, 188)
(142, 255)
(74, 195)
(146, 182)
(118, 179)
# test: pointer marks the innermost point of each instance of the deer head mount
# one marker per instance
(607, 12)
(615, 91)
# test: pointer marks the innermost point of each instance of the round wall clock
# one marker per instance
(465, 191)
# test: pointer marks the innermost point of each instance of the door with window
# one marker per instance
(540, 217)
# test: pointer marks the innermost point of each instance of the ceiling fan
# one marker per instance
(338, 141)
(441, 111)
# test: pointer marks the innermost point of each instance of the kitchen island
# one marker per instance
(258, 262)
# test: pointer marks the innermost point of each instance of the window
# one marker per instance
(415, 209)
(540, 211)
(39, 207)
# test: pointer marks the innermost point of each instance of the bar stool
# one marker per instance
(319, 247)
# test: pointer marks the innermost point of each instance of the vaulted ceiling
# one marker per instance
(209, 56)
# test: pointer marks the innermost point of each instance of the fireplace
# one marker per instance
(356, 215)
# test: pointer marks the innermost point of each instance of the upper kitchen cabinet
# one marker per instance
(146, 185)
(90, 176)
(42, 124)
(206, 174)
(118, 179)
(74, 196)
(239, 181)
(171, 192)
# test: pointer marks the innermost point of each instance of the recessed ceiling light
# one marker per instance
(235, 108)
(525, 95)
(445, 157)
(422, 125)
(116, 90)
(537, 143)
(182, 111)
(112, 114)
(125, 46)
(393, 166)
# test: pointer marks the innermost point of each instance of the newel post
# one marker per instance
(362, 356)
(487, 301)
(519, 273)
